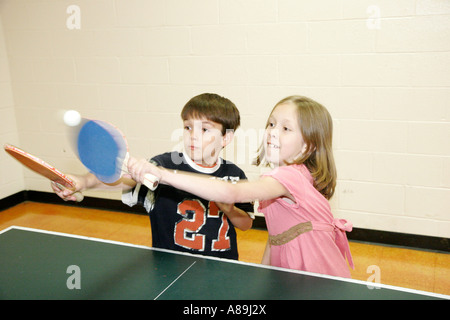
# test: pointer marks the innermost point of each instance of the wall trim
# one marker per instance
(358, 234)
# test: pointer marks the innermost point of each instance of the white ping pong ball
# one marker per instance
(72, 118)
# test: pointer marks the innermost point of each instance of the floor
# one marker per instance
(415, 269)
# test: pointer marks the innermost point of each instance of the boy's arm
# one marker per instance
(237, 216)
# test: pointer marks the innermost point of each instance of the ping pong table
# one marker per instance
(38, 264)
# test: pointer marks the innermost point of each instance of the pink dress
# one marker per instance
(322, 249)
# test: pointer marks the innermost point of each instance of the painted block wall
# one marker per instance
(382, 68)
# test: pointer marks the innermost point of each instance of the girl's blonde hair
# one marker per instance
(316, 127)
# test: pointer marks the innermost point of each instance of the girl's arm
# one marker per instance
(209, 188)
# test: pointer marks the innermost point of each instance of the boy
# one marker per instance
(179, 220)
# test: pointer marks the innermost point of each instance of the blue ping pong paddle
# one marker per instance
(103, 150)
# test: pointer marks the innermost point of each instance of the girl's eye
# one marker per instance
(286, 129)
(187, 128)
(271, 125)
(205, 129)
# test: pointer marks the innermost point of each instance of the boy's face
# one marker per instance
(203, 140)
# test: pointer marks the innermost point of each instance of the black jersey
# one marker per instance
(184, 222)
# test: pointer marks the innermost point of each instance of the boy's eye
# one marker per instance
(205, 129)
(187, 128)
(271, 125)
(286, 129)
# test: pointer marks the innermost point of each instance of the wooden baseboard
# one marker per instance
(358, 234)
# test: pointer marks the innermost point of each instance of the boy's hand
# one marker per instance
(68, 194)
(138, 168)
(225, 207)
(238, 217)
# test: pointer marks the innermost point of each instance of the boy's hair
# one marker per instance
(316, 126)
(214, 108)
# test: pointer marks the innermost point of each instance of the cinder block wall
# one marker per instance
(381, 67)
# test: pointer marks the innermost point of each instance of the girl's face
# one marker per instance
(283, 140)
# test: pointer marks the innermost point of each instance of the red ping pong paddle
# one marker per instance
(43, 168)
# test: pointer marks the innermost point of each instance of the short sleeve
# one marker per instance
(295, 178)
(140, 194)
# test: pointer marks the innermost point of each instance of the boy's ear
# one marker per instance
(227, 138)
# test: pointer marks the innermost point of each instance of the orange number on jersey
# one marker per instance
(194, 241)
(186, 230)
(223, 241)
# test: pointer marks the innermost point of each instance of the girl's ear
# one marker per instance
(227, 138)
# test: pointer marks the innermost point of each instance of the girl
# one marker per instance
(303, 233)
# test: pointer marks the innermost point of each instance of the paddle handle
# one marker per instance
(78, 195)
(150, 181)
